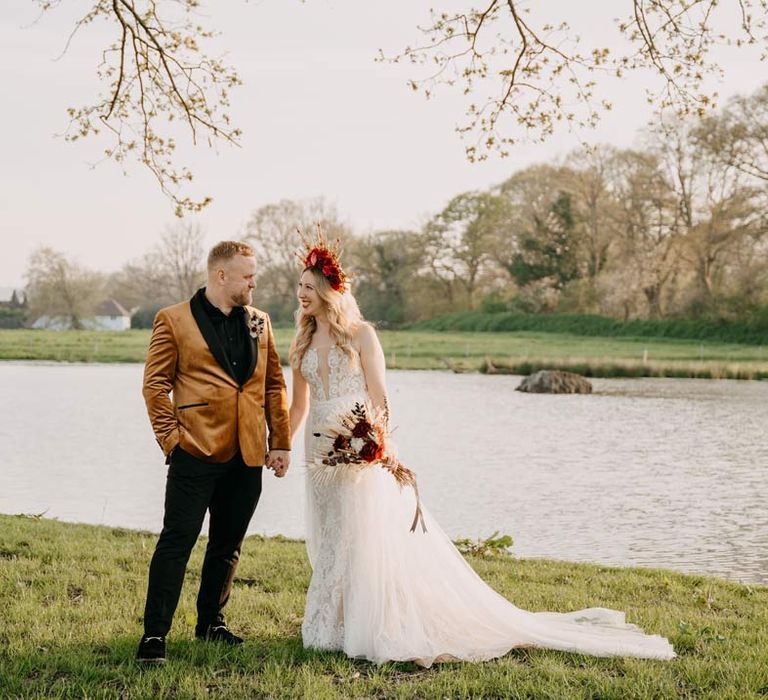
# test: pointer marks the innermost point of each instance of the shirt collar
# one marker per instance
(215, 312)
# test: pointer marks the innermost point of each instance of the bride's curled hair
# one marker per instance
(343, 316)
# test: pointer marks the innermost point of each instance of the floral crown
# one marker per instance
(320, 255)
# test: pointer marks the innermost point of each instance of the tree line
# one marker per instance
(674, 228)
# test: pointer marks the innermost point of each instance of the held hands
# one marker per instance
(278, 461)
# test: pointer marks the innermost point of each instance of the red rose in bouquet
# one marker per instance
(362, 429)
(370, 451)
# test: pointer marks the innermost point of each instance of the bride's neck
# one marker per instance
(322, 324)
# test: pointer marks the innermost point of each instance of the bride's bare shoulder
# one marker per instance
(363, 334)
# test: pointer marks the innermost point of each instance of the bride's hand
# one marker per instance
(278, 461)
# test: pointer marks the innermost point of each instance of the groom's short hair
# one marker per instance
(226, 250)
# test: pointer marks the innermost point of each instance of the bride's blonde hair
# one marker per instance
(343, 316)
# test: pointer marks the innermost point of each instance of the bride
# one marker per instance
(380, 591)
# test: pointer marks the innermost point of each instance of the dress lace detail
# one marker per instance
(309, 370)
(345, 377)
(383, 593)
(323, 626)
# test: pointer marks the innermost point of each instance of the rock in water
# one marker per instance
(550, 381)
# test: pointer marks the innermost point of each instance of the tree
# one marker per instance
(717, 205)
(15, 302)
(524, 74)
(743, 291)
(649, 224)
(172, 271)
(57, 287)
(458, 241)
(594, 204)
(182, 255)
(386, 264)
(738, 135)
(549, 250)
(156, 74)
(531, 195)
(274, 232)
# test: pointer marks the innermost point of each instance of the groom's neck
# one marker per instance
(220, 302)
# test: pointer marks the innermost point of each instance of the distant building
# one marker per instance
(110, 315)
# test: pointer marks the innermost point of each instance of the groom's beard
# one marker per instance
(242, 299)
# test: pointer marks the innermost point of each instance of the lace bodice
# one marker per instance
(332, 378)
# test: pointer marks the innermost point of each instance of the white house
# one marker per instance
(110, 315)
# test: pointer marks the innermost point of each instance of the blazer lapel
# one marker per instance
(253, 346)
(209, 333)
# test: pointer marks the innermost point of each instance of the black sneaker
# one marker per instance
(217, 632)
(151, 650)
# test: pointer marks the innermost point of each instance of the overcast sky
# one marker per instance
(320, 118)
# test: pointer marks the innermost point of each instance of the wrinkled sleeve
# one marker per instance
(276, 398)
(159, 376)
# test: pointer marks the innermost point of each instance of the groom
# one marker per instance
(216, 398)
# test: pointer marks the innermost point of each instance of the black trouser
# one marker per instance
(230, 491)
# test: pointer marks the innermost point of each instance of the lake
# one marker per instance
(644, 472)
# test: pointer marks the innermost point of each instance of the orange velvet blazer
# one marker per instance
(193, 398)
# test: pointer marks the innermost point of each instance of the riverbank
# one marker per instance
(72, 597)
(504, 352)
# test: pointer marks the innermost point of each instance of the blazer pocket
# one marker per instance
(191, 405)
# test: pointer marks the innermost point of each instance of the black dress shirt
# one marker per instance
(233, 334)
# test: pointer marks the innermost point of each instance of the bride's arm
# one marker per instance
(374, 367)
(299, 403)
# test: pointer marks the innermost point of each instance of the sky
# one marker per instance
(320, 118)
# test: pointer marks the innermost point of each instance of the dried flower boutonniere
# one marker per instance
(255, 325)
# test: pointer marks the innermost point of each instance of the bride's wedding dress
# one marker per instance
(381, 592)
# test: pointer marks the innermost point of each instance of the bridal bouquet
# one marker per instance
(360, 439)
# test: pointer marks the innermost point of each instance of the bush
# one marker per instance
(752, 332)
(12, 318)
(144, 317)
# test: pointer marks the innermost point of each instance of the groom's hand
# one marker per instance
(279, 461)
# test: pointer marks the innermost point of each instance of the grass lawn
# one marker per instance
(71, 598)
(520, 352)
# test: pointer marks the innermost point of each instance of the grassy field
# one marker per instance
(519, 352)
(72, 595)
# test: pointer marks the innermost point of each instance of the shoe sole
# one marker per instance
(151, 662)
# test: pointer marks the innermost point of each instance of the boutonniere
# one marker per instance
(255, 325)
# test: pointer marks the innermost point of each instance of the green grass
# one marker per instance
(74, 346)
(520, 352)
(72, 596)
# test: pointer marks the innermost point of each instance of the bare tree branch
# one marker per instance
(524, 77)
(157, 73)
